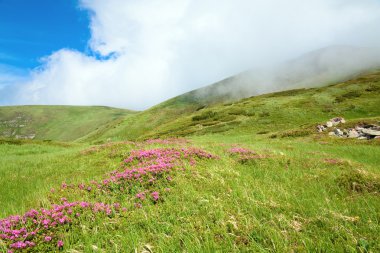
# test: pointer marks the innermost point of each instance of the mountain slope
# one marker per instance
(314, 69)
(353, 99)
(63, 123)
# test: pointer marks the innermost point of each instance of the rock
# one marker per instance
(336, 121)
(353, 133)
(329, 124)
(362, 138)
(338, 132)
(331, 133)
(321, 128)
(358, 128)
(371, 132)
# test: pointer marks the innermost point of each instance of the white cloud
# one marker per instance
(163, 48)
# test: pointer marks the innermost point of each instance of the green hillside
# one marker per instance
(251, 175)
(62, 123)
(265, 114)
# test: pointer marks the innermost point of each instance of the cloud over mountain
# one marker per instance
(143, 52)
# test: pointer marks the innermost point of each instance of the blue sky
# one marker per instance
(137, 53)
(31, 29)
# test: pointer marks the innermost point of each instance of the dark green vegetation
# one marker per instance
(302, 192)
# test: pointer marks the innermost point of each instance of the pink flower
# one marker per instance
(140, 195)
(155, 195)
(60, 244)
(48, 238)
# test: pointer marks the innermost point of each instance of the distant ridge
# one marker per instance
(317, 68)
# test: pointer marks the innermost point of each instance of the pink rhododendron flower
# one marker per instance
(60, 244)
(155, 195)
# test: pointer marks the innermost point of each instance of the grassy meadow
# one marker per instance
(245, 176)
(62, 123)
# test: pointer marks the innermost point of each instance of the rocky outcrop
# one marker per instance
(332, 122)
(362, 132)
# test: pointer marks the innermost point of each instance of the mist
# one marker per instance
(144, 52)
(318, 68)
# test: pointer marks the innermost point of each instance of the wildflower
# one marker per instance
(155, 196)
(116, 206)
(60, 244)
(48, 238)
(140, 195)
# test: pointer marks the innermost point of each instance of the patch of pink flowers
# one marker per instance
(36, 226)
(244, 155)
(146, 167)
(240, 151)
(155, 196)
(141, 168)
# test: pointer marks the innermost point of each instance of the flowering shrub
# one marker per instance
(241, 151)
(39, 230)
(245, 155)
(40, 226)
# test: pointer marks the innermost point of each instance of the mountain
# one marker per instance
(61, 123)
(249, 175)
(279, 111)
(314, 69)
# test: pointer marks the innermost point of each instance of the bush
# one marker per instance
(352, 94)
(226, 118)
(328, 108)
(200, 107)
(348, 95)
(264, 114)
(250, 114)
(204, 115)
(295, 133)
(237, 111)
(373, 88)
(358, 181)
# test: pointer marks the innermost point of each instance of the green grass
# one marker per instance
(281, 111)
(311, 192)
(62, 123)
(293, 200)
